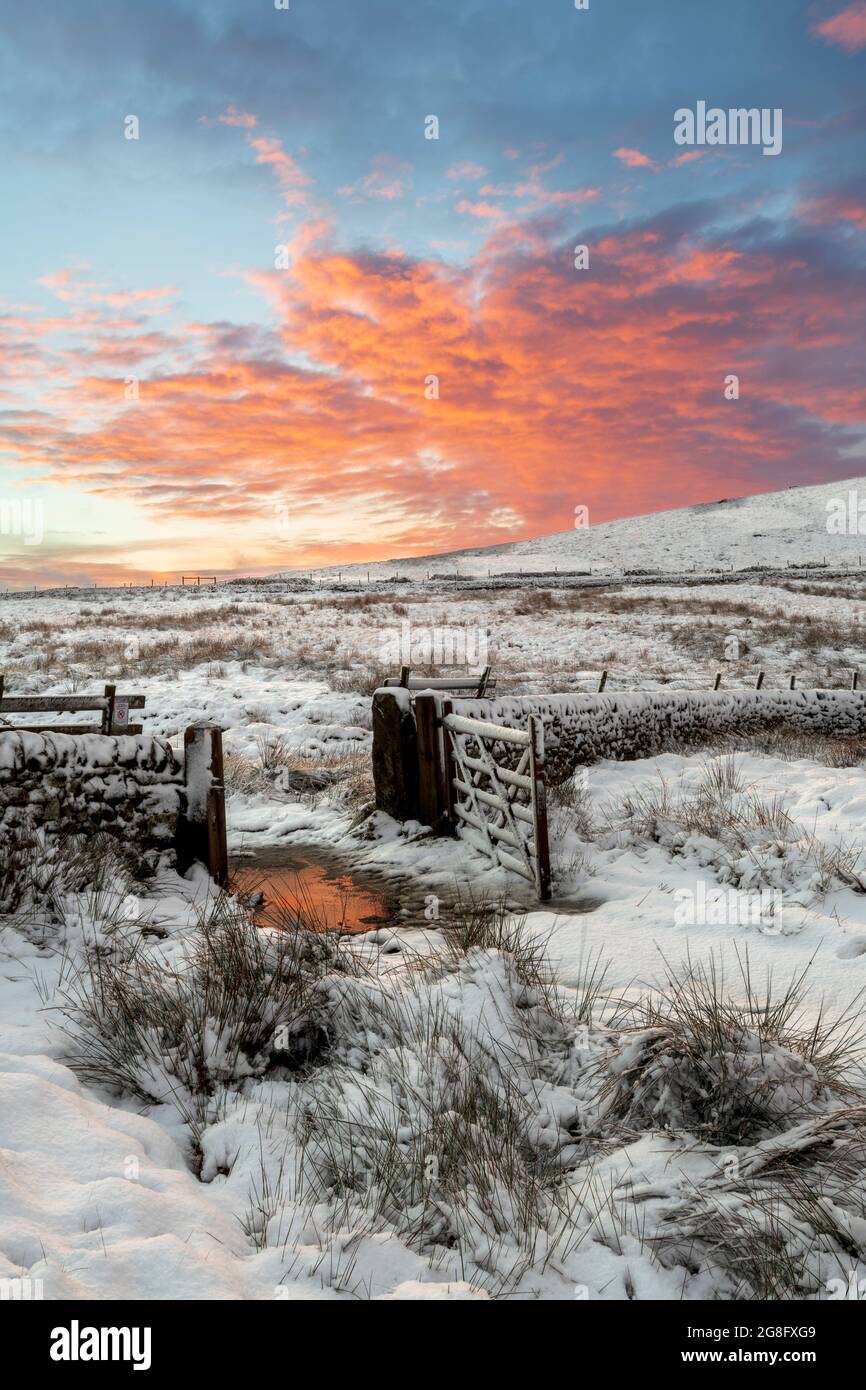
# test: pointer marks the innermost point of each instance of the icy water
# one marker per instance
(316, 886)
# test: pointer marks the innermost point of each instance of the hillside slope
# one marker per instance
(795, 526)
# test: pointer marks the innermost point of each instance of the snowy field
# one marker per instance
(603, 1100)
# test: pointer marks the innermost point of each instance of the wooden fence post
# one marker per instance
(108, 712)
(202, 834)
(432, 797)
(395, 754)
(448, 769)
(539, 806)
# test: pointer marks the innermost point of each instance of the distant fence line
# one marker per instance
(588, 578)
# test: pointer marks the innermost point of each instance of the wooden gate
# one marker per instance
(500, 809)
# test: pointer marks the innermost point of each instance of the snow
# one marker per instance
(105, 1196)
(117, 1211)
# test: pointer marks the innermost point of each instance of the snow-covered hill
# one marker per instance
(803, 525)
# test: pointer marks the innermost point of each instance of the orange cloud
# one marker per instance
(834, 207)
(634, 159)
(554, 387)
(847, 29)
(233, 117)
(421, 403)
(531, 194)
(292, 180)
(467, 170)
(536, 196)
(67, 285)
(479, 209)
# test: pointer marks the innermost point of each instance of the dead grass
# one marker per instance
(788, 744)
(732, 1061)
(783, 1226)
(746, 826)
(853, 589)
(242, 1001)
(293, 771)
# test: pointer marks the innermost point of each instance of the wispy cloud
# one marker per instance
(634, 159)
(466, 171)
(389, 180)
(847, 28)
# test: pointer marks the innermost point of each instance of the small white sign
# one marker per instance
(121, 712)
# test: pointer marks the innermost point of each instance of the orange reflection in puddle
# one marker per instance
(322, 898)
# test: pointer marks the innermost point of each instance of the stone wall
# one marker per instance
(583, 729)
(131, 786)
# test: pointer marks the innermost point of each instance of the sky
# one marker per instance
(297, 286)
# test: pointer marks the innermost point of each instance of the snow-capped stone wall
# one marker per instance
(581, 729)
(131, 786)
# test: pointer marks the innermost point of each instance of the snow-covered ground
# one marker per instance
(435, 1048)
(797, 526)
(277, 1183)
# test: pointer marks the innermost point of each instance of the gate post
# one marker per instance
(450, 818)
(539, 807)
(432, 794)
(202, 835)
(395, 753)
(108, 712)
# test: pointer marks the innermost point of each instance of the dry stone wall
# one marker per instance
(131, 786)
(582, 729)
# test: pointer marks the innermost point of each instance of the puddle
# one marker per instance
(573, 907)
(311, 883)
(306, 883)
